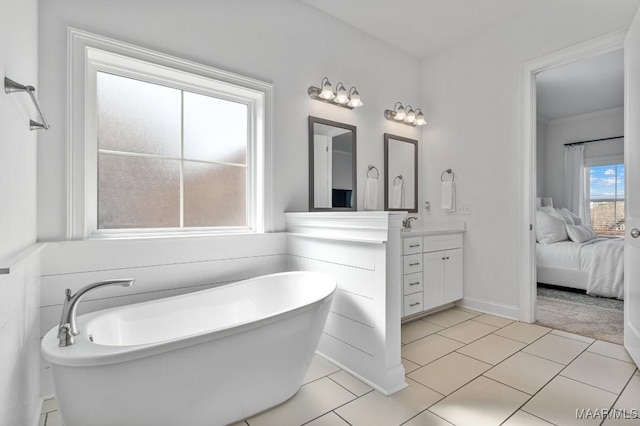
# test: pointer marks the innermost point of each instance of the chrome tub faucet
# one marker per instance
(68, 328)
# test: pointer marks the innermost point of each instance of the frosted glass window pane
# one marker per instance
(214, 195)
(137, 192)
(214, 129)
(135, 116)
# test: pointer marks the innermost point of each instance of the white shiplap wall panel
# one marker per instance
(358, 335)
(353, 280)
(362, 251)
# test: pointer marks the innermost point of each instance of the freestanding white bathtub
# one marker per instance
(205, 358)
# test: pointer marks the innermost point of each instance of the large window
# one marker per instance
(169, 158)
(606, 199)
(165, 146)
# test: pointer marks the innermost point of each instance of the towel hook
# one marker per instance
(448, 171)
(398, 177)
(373, 168)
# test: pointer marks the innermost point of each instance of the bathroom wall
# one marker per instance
(284, 42)
(602, 124)
(473, 95)
(19, 300)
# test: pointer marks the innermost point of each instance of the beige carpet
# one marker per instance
(582, 315)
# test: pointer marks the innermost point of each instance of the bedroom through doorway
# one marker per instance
(580, 174)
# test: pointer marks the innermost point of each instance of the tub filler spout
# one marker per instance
(68, 327)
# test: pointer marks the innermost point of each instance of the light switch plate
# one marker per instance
(464, 208)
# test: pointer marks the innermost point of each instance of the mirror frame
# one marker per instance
(312, 208)
(388, 136)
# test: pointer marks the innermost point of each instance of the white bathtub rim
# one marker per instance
(85, 353)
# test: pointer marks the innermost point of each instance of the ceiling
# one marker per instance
(581, 87)
(423, 27)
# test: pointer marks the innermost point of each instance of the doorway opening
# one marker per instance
(576, 204)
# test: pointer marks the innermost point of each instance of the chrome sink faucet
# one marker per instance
(406, 223)
(68, 327)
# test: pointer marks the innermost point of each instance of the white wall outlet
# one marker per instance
(464, 208)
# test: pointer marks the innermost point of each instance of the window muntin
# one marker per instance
(606, 199)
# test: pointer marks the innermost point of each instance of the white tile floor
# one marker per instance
(467, 368)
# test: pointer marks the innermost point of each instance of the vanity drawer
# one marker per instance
(412, 304)
(412, 283)
(412, 263)
(412, 245)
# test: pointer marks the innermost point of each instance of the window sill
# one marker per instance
(142, 235)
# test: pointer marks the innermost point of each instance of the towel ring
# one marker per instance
(373, 168)
(398, 177)
(448, 171)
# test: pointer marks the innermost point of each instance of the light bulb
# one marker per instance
(341, 94)
(420, 120)
(400, 114)
(327, 90)
(354, 101)
(411, 116)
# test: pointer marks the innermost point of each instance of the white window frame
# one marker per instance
(599, 161)
(89, 53)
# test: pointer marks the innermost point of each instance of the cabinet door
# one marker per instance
(433, 281)
(452, 275)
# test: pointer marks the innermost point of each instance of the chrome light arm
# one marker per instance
(68, 327)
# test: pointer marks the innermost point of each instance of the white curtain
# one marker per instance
(575, 188)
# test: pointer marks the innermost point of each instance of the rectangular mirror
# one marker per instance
(332, 165)
(401, 173)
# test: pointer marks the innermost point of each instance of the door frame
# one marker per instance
(528, 161)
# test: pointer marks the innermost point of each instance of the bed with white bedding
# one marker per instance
(595, 265)
(568, 254)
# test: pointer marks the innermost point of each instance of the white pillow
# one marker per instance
(576, 219)
(561, 215)
(580, 233)
(546, 209)
(550, 229)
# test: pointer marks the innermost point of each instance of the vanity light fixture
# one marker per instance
(339, 97)
(407, 115)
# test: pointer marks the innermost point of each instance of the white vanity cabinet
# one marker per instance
(432, 272)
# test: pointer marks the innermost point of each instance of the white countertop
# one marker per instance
(435, 228)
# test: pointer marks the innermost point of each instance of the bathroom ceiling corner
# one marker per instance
(423, 27)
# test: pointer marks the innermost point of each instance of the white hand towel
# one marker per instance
(371, 194)
(397, 196)
(448, 195)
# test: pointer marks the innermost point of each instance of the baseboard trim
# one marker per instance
(386, 392)
(507, 311)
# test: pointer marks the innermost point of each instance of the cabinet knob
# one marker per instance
(414, 245)
(414, 304)
(416, 283)
(414, 264)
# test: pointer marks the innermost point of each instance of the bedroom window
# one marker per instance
(606, 199)
(162, 146)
